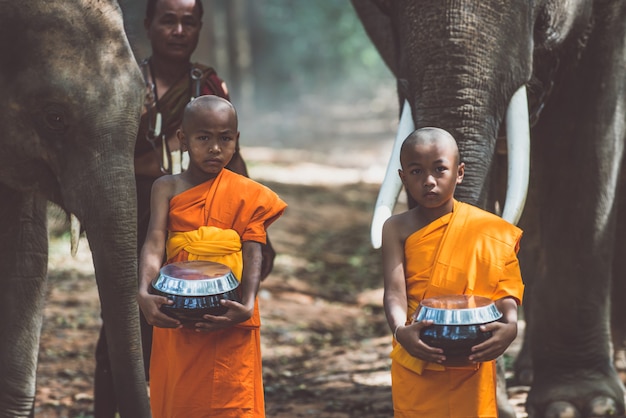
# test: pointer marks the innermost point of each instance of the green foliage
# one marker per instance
(307, 46)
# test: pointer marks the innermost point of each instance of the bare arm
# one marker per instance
(395, 299)
(151, 257)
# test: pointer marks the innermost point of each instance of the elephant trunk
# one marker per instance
(460, 76)
(107, 210)
(103, 199)
(113, 243)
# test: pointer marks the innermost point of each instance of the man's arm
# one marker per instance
(251, 275)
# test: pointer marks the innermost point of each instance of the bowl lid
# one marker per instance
(195, 278)
(458, 310)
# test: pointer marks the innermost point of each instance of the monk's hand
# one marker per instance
(502, 335)
(150, 305)
(409, 337)
(235, 314)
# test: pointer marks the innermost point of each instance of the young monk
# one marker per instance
(212, 369)
(445, 247)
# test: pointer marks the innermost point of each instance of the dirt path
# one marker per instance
(325, 341)
(324, 338)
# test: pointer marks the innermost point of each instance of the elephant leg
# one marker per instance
(573, 373)
(23, 262)
(580, 151)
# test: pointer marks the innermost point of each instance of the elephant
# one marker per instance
(457, 65)
(71, 98)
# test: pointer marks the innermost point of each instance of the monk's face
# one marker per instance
(430, 172)
(174, 30)
(210, 135)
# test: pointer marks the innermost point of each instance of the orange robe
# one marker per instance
(217, 375)
(471, 252)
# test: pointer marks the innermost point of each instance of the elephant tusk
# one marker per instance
(518, 154)
(390, 188)
(74, 233)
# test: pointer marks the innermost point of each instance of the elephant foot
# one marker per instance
(598, 407)
(602, 406)
(580, 399)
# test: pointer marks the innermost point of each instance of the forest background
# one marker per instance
(318, 112)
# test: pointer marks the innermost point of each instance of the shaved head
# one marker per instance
(430, 136)
(209, 103)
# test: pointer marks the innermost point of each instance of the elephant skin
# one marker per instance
(69, 111)
(458, 63)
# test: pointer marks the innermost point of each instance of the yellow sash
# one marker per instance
(208, 243)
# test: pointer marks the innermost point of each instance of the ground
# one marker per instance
(325, 341)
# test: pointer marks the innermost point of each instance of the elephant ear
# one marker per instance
(374, 15)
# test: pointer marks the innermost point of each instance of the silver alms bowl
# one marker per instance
(458, 310)
(195, 278)
(456, 324)
(196, 289)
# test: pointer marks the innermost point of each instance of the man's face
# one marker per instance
(174, 30)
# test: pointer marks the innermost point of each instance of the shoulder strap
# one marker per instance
(203, 75)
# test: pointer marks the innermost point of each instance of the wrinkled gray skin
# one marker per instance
(458, 67)
(69, 107)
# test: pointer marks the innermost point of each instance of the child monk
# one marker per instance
(445, 247)
(212, 369)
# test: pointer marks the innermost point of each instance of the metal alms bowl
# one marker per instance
(456, 324)
(196, 288)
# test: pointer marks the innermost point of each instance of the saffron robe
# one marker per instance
(217, 375)
(471, 252)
